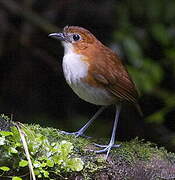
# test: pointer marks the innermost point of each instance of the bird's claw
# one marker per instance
(104, 146)
(76, 134)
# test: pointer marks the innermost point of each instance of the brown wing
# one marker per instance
(111, 74)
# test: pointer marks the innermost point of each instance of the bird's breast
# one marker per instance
(74, 67)
(75, 70)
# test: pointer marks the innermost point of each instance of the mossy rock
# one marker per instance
(57, 156)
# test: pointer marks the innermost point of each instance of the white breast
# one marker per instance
(74, 71)
(74, 68)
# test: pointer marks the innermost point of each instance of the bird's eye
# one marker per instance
(76, 37)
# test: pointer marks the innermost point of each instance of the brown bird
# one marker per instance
(96, 74)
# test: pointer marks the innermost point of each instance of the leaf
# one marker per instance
(37, 172)
(4, 168)
(37, 164)
(148, 77)
(23, 163)
(16, 178)
(65, 148)
(50, 163)
(75, 164)
(6, 133)
(161, 34)
(133, 51)
(2, 141)
(45, 173)
(157, 117)
(13, 150)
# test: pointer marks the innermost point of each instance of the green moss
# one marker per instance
(51, 154)
(58, 156)
(138, 150)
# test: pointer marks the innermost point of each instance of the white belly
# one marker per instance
(74, 71)
(93, 95)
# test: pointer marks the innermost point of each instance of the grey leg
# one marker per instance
(83, 129)
(111, 144)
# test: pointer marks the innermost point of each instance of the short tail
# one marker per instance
(139, 109)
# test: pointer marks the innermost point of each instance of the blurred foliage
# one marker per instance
(146, 32)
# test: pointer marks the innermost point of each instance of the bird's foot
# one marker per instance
(106, 148)
(76, 134)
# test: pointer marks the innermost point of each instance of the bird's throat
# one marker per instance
(74, 67)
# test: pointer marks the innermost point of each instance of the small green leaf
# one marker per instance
(6, 133)
(65, 148)
(157, 117)
(23, 163)
(16, 178)
(2, 141)
(18, 144)
(75, 164)
(37, 164)
(13, 150)
(161, 34)
(37, 172)
(45, 173)
(4, 168)
(50, 163)
(133, 51)
(43, 164)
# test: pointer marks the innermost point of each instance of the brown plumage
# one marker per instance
(106, 69)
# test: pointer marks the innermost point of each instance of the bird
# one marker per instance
(97, 75)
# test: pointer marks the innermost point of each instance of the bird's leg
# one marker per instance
(81, 131)
(111, 144)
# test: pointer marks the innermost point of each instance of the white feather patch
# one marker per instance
(75, 69)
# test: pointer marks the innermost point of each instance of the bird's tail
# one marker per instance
(139, 109)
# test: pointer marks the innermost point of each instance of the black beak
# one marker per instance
(59, 36)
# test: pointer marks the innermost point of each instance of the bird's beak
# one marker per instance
(59, 36)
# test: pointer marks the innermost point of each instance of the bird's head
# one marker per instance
(75, 37)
